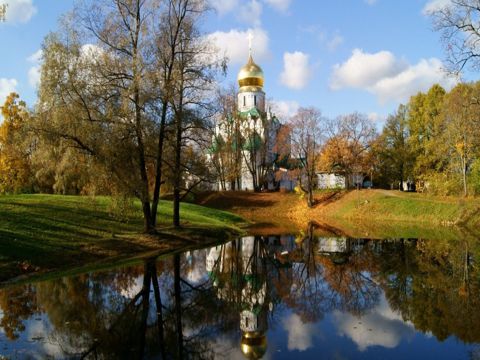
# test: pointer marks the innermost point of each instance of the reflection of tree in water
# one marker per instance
(90, 315)
(307, 294)
(398, 263)
(170, 309)
(307, 280)
(329, 275)
(17, 304)
(350, 284)
(435, 285)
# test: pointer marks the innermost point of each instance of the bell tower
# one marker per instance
(250, 79)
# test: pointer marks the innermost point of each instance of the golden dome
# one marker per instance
(254, 345)
(250, 74)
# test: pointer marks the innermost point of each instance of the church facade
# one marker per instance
(245, 149)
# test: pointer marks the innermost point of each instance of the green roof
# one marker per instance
(253, 112)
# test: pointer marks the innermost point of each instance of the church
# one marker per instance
(245, 151)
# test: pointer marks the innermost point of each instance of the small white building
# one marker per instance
(333, 245)
(331, 181)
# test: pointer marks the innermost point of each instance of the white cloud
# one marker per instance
(36, 57)
(364, 70)
(251, 13)
(6, 87)
(133, 289)
(335, 42)
(280, 5)
(34, 76)
(415, 78)
(91, 52)
(300, 334)
(196, 271)
(42, 330)
(34, 71)
(375, 117)
(387, 77)
(223, 6)
(296, 70)
(19, 11)
(370, 2)
(234, 44)
(380, 327)
(434, 5)
(284, 109)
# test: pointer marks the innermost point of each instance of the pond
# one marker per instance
(272, 297)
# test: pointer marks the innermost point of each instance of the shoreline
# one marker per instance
(355, 214)
(41, 235)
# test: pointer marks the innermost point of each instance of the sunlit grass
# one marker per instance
(406, 207)
(50, 231)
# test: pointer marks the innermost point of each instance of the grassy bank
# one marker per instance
(364, 213)
(412, 208)
(41, 233)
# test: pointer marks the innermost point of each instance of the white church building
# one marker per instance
(260, 165)
(258, 127)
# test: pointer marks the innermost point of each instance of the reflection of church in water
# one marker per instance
(240, 271)
(243, 272)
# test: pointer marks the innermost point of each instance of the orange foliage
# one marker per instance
(14, 159)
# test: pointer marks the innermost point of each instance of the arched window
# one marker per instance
(244, 101)
(255, 100)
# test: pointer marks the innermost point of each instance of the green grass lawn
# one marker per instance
(43, 232)
(407, 207)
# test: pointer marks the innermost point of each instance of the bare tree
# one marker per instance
(306, 135)
(194, 72)
(96, 88)
(347, 148)
(255, 132)
(226, 150)
(112, 81)
(458, 23)
(177, 27)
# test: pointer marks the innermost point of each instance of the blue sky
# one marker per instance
(341, 56)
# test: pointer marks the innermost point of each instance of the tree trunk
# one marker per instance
(254, 171)
(465, 190)
(401, 177)
(310, 197)
(158, 173)
(177, 166)
(158, 303)
(145, 308)
(148, 226)
(144, 190)
(178, 304)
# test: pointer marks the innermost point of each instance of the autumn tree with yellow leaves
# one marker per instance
(15, 148)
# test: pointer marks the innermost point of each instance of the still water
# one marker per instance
(271, 297)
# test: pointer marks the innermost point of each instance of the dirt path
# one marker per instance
(388, 193)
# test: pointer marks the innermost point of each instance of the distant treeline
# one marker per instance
(433, 140)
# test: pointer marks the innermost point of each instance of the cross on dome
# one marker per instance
(250, 75)
(250, 38)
